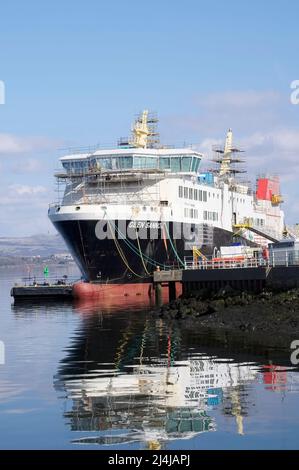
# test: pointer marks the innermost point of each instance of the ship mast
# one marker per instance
(140, 131)
(226, 158)
(144, 132)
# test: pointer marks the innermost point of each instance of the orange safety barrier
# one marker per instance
(229, 260)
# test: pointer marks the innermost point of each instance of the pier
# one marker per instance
(252, 275)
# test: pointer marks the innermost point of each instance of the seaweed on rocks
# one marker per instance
(269, 314)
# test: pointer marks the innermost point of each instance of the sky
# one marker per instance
(76, 74)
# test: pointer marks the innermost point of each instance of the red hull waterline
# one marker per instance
(119, 294)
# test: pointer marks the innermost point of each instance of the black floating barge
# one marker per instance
(42, 292)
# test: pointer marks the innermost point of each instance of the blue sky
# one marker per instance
(76, 73)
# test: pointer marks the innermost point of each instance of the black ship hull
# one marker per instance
(126, 260)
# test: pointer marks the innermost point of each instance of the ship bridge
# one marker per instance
(176, 160)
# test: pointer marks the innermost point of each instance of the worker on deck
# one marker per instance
(265, 253)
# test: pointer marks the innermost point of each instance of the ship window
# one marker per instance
(125, 163)
(145, 162)
(66, 165)
(104, 162)
(192, 213)
(175, 163)
(190, 193)
(195, 164)
(200, 195)
(164, 163)
(195, 194)
(186, 193)
(92, 163)
(209, 215)
(186, 163)
(204, 194)
(180, 191)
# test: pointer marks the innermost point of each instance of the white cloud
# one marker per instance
(12, 144)
(277, 149)
(274, 152)
(21, 189)
(206, 145)
(246, 111)
(269, 152)
(24, 209)
(30, 165)
(20, 196)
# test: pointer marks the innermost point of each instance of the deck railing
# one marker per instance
(279, 258)
(48, 280)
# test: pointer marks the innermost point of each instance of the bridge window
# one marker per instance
(164, 163)
(175, 164)
(125, 163)
(145, 162)
(195, 164)
(186, 163)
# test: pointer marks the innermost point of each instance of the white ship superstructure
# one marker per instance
(128, 210)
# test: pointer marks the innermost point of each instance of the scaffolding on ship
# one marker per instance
(109, 187)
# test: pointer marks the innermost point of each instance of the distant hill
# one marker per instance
(36, 245)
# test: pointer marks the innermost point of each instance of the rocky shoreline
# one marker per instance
(267, 314)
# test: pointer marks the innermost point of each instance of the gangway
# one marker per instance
(259, 232)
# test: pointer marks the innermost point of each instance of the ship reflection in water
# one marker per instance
(128, 377)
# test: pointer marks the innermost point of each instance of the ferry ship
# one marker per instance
(141, 206)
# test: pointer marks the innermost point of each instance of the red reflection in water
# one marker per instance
(275, 378)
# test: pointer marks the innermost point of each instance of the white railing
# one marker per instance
(279, 258)
(224, 263)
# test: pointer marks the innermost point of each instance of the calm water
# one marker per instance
(88, 376)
